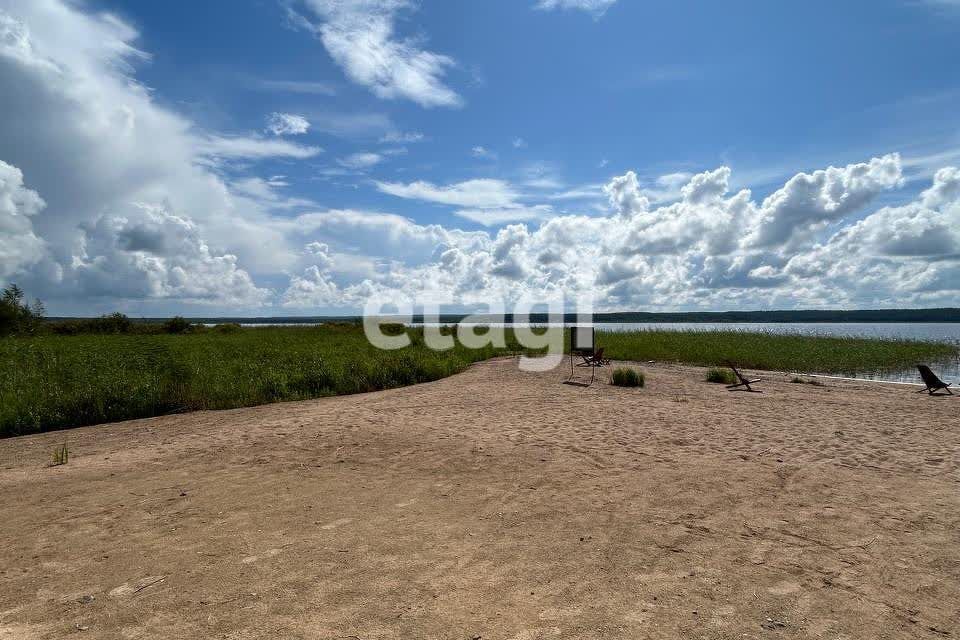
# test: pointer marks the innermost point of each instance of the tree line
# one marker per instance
(18, 317)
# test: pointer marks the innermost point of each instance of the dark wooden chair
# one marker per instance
(594, 359)
(589, 357)
(932, 381)
(743, 382)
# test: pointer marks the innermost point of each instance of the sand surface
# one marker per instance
(497, 504)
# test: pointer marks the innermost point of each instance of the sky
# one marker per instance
(303, 157)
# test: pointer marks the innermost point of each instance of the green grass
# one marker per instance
(61, 455)
(774, 352)
(54, 382)
(626, 377)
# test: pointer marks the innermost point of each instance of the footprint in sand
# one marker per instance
(784, 588)
(11, 631)
(337, 523)
(559, 613)
(536, 634)
(269, 553)
(130, 588)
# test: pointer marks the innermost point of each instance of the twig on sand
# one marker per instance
(868, 543)
(149, 584)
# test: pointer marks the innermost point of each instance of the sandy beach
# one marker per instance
(497, 504)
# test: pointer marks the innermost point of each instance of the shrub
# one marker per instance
(176, 324)
(114, 323)
(722, 376)
(16, 316)
(799, 380)
(61, 455)
(625, 377)
(228, 327)
(393, 328)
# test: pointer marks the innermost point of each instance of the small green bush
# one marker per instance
(625, 377)
(393, 328)
(61, 455)
(228, 327)
(722, 376)
(176, 324)
(16, 316)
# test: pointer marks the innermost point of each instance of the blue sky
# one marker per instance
(460, 151)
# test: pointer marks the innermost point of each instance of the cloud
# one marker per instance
(909, 252)
(486, 202)
(381, 235)
(808, 202)
(295, 86)
(667, 187)
(481, 193)
(359, 36)
(497, 217)
(108, 194)
(625, 195)
(150, 253)
(350, 125)
(314, 288)
(363, 160)
(519, 143)
(19, 245)
(252, 148)
(541, 176)
(280, 124)
(267, 192)
(91, 141)
(596, 7)
(699, 251)
(483, 152)
(399, 137)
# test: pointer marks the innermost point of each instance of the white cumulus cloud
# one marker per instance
(87, 137)
(702, 250)
(596, 7)
(362, 160)
(360, 37)
(19, 245)
(481, 193)
(287, 124)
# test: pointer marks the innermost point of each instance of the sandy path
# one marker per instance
(497, 504)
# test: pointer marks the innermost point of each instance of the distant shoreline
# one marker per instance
(939, 315)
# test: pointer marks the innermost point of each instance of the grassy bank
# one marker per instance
(811, 354)
(51, 382)
(54, 382)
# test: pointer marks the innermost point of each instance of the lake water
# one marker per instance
(934, 331)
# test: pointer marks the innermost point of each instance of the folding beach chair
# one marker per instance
(743, 381)
(932, 381)
(582, 345)
(594, 359)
